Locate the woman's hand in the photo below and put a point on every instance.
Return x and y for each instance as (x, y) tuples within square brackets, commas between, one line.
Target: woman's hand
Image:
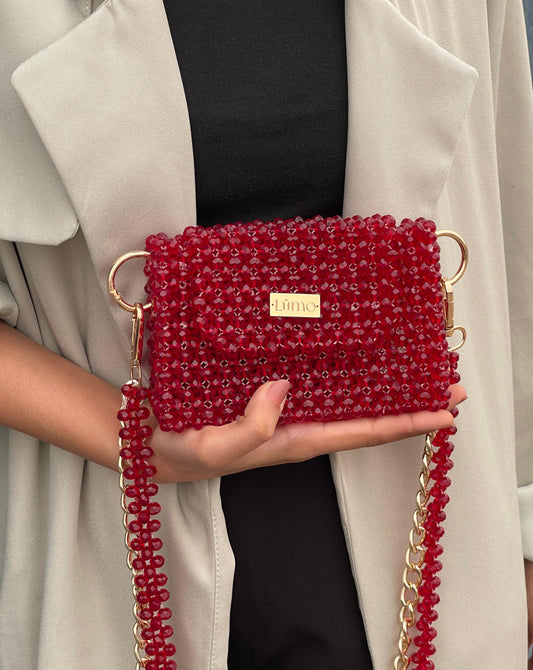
[(255, 440)]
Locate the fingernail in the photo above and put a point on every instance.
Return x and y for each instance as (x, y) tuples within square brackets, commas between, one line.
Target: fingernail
[(278, 392)]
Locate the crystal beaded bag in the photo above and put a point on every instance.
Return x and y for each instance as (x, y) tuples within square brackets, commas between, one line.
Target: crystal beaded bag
[(353, 312)]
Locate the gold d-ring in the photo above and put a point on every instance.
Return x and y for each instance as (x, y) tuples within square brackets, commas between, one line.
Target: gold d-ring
[(116, 295), (464, 253)]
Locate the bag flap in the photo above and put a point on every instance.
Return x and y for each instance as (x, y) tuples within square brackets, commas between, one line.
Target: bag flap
[(266, 290)]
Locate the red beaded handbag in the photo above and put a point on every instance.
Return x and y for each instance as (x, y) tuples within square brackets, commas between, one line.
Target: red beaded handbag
[(353, 312)]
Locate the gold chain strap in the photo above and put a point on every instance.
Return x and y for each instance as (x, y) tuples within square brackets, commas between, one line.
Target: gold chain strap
[(414, 558), (415, 554), (138, 625), (135, 379)]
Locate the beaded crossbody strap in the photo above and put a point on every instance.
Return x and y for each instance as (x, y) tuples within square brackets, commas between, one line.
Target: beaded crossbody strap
[(420, 580), (152, 630)]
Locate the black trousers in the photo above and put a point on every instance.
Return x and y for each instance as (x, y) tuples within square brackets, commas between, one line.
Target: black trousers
[(294, 605)]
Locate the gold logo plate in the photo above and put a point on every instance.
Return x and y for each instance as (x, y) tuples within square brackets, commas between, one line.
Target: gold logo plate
[(303, 305)]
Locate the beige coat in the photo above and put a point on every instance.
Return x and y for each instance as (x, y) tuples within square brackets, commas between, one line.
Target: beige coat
[(96, 153)]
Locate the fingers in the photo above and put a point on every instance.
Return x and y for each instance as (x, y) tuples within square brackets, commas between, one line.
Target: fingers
[(457, 395), (387, 429), (218, 447), (370, 432), (298, 442), (254, 440)]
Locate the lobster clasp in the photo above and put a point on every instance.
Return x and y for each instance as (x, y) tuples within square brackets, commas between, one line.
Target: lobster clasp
[(449, 325), (137, 311), (137, 339), (447, 290)]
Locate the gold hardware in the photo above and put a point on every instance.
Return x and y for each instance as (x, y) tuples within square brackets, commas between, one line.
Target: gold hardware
[(461, 330), (137, 315), (137, 337), (138, 626), (448, 305), (464, 253), (302, 305), (116, 295), (447, 289), (414, 559)]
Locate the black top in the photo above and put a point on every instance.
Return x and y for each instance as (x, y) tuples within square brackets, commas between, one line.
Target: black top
[(267, 93), (266, 88)]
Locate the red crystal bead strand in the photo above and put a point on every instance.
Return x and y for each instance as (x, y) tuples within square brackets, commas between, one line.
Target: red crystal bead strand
[(438, 499), (154, 650)]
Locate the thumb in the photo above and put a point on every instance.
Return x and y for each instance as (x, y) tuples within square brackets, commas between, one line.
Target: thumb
[(264, 408), (269, 399), (259, 421)]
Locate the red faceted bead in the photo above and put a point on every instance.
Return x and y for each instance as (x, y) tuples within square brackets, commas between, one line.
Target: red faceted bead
[(151, 489), (166, 631), (132, 491), (128, 390), (134, 526), (126, 453), (145, 615), (147, 634), (425, 665), (140, 581), (428, 612)]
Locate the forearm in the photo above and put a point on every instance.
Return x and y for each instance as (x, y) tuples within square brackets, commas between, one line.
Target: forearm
[(47, 396)]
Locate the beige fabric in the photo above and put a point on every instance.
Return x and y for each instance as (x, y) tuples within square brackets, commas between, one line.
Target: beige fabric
[(106, 141), (43, 212), (525, 497)]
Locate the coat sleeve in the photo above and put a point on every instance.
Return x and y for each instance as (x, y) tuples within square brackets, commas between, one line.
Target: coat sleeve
[(514, 127)]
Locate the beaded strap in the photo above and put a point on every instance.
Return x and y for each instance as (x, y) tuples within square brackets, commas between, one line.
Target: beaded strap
[(420, 579), (152, 632)]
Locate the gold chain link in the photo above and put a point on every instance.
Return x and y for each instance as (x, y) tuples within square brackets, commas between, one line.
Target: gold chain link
[(414, 558)]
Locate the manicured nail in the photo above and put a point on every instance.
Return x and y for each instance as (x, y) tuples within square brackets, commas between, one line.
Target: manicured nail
[(278, 392)]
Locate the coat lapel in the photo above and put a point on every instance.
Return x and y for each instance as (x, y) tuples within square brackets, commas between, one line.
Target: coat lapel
[(408, 99), (108, 103), (34, 206)]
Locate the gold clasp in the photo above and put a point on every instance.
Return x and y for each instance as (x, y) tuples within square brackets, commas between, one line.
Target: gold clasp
[(448, 305), (447, 289), (116, 295), (137, 340), (137, 315)]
